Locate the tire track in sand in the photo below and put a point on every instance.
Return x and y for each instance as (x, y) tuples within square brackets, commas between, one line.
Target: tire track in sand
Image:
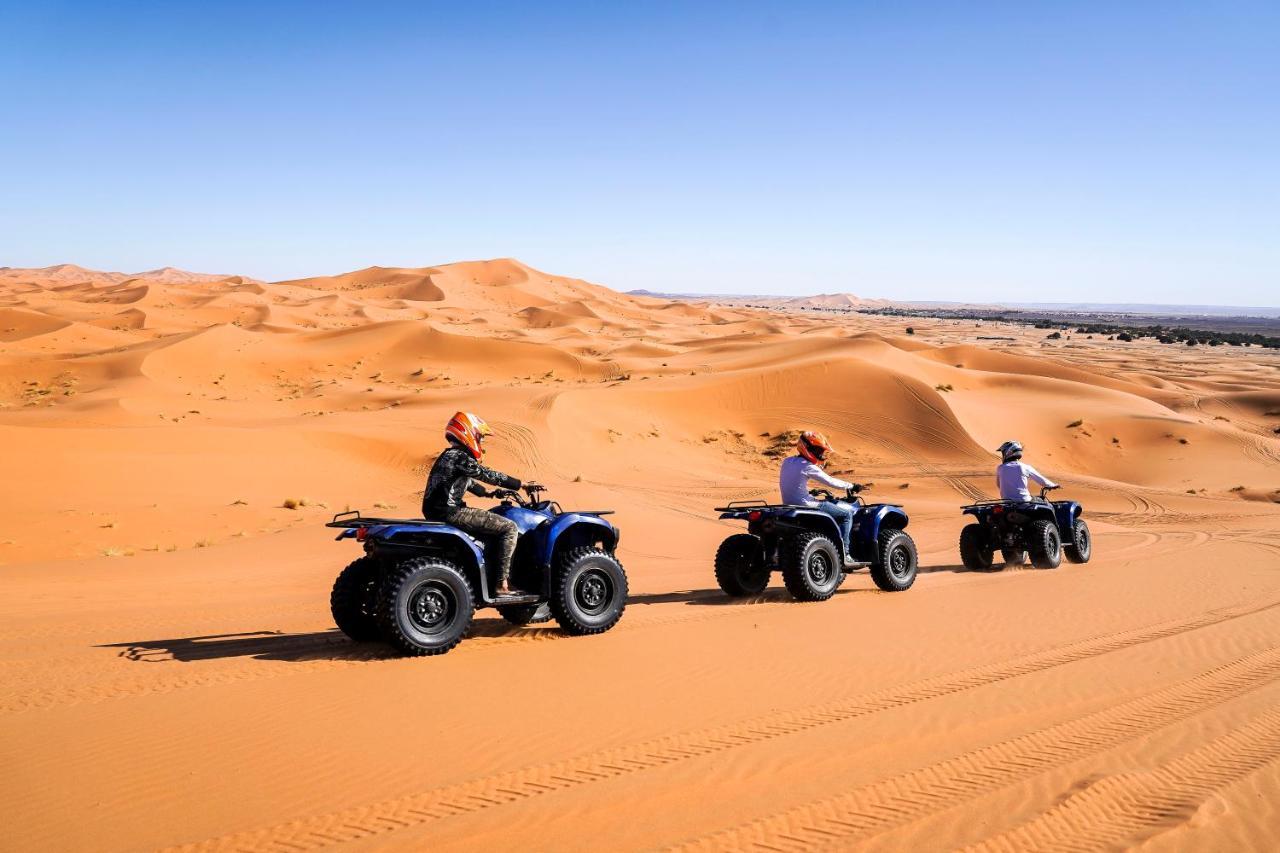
[(529, 782), (1125, 810), (873, 809)]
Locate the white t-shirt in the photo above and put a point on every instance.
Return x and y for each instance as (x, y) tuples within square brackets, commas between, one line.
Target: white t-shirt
[(793, 480), (1012, 478)]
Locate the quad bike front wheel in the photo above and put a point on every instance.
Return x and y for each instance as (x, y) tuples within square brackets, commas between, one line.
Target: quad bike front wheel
[(1045, 544), (1080, 548), (589, 592), (425, 606), (975, 553), (895, 567), (811, 567), (354, 600), (740, 568)]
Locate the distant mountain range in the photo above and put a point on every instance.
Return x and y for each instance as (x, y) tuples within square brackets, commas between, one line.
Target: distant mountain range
[(849, 300)]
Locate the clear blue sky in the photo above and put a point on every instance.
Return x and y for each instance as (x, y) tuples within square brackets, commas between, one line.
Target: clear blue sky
[(1061, 151)]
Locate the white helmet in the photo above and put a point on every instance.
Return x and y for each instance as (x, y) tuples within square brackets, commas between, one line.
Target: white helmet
[(1010, 451)]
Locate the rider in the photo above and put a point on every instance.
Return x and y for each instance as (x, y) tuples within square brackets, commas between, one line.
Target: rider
[(811, 455), (1012, 474), (453, 473)]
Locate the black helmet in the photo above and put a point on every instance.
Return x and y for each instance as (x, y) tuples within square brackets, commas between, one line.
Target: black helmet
[(1010, 451)]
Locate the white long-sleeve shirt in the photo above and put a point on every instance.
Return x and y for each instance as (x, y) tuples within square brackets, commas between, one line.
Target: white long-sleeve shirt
[(793, 480), (1011, 478)]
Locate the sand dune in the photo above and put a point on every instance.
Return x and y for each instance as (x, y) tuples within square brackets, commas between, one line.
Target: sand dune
[(172, 677)]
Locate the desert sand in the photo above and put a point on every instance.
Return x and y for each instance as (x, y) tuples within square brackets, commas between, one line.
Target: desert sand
[(172, 678)]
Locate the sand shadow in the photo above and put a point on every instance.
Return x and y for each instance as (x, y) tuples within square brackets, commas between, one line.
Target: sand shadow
[(717, 597), (261, 645), (960, 568), (334, 645)]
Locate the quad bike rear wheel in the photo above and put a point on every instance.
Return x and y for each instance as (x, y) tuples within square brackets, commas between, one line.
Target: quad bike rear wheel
[(975, 553), (740, 569), (811, 567), (1045, 544), (589, 592), (895, 566), (354, 600), (525, 614), (425, 606), (1080, 548)]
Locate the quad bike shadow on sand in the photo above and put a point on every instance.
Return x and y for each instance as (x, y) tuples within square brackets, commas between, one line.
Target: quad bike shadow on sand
[(332, 644)]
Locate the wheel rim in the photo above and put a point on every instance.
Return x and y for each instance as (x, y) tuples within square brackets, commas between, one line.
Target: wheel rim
[(819, 568), (1084, 544), (747, 572), (432, 607), (899, 563), (593, 591)]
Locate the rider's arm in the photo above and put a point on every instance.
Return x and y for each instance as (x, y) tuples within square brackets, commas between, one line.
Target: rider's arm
[(478, 490), (813, 472), (476, 471), (1033, 474)]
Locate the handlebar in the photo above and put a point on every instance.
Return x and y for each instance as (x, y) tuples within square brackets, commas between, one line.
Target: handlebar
[(532, 489), (851, 494), (1044, 490)]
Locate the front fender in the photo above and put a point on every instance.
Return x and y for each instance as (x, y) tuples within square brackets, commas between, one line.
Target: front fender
[(1065, 515), (599, 528), (868, 523)]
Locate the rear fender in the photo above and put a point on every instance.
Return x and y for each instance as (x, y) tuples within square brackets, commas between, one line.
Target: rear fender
[(815, 521)]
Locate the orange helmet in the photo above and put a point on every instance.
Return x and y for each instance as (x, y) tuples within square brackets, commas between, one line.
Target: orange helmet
[(813, 446), (468, 430)]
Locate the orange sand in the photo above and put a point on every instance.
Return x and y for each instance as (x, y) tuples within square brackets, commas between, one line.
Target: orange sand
[(171, 676)]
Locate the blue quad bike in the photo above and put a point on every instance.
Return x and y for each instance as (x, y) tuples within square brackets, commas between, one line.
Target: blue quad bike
[(805, 545), (419, 583), (1045, 529)]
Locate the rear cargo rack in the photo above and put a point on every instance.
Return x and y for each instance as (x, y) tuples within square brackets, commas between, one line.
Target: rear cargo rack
[(353, 518), (740, 505)]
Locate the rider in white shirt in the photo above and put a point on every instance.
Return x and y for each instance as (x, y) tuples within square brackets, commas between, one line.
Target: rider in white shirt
[(797, 471), (1012, 474)]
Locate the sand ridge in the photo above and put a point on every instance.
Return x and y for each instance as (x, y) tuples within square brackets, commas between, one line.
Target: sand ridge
[(173, 679)]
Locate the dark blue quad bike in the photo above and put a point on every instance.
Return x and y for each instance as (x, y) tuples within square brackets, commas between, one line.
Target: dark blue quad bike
[(805, 545), (419, 583), (1045, 529)]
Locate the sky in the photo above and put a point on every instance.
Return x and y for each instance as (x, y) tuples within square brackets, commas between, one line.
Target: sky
[(1069, 151)]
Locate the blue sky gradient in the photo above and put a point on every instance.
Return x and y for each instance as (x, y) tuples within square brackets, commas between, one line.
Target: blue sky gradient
[(1119, 152)]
